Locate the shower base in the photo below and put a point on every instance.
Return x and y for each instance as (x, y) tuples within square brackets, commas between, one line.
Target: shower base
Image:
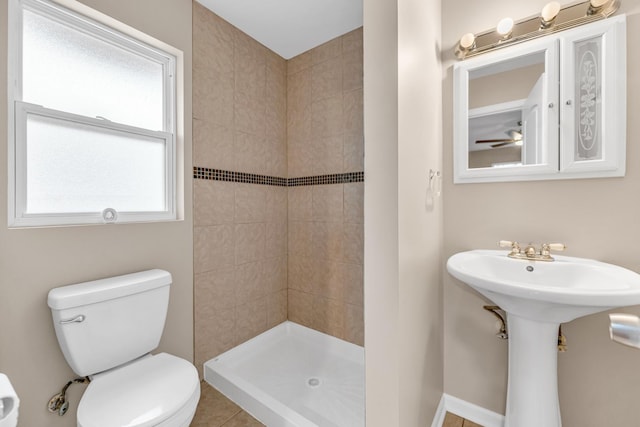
[(293, 376)]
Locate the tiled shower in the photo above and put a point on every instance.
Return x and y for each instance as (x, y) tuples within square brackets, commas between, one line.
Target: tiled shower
[(278, 188)]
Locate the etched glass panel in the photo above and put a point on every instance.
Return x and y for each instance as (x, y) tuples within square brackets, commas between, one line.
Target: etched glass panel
[(588, 95)]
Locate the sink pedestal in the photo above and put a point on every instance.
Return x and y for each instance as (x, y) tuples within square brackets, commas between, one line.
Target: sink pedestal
[(532, 392)]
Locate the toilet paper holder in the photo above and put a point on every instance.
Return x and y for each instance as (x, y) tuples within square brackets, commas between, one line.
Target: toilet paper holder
[(625, 329)]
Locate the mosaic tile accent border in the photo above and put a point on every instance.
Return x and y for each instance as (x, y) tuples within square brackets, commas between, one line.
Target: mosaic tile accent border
[(250, 178), (229, 176)]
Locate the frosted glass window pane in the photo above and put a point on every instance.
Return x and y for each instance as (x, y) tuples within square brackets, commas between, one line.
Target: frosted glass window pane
[(73, 168), (67, 70)]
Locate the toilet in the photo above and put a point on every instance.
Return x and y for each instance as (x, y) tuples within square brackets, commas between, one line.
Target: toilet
[(106, 330)]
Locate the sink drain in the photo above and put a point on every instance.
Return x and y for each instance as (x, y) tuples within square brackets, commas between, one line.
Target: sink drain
[(313, 382)]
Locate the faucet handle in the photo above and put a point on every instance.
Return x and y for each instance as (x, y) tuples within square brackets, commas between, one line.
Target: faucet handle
[(546, 248), (557, 246), (515, 246), (554, 246)]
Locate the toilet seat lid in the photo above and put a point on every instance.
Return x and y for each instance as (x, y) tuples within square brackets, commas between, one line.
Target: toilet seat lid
[(141, 394)]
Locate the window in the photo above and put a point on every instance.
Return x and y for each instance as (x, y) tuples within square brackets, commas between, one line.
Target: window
[(93, 122)]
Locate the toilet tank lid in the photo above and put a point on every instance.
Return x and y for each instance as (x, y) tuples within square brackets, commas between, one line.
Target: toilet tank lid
[(105, 289)]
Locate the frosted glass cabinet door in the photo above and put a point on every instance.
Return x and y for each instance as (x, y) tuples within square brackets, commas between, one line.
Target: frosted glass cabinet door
[(593, 100)]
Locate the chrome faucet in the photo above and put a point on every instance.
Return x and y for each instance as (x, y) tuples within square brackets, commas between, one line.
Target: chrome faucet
[(530, 252)]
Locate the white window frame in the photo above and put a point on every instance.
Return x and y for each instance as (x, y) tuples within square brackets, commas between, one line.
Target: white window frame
[(19, 110)]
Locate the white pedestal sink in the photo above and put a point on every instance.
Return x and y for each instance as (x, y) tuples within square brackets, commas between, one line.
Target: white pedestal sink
[(538, 296)]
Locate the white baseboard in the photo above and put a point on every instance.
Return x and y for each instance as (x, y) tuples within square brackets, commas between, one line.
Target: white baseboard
[(466, 410)]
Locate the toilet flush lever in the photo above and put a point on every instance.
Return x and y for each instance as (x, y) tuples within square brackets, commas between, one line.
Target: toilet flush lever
[(77, 319)]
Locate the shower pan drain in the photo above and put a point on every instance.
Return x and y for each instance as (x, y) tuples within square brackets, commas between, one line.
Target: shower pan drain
[(313, 382)]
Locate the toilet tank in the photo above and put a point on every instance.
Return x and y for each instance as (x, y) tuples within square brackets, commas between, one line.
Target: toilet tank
[(108, 322)]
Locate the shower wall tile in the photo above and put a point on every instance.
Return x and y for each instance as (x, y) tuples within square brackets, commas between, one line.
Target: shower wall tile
[(354, 243), (250, 203), (327, 116), (213, 247), (276, 308), (328, 316), (276, 239), (300, 203), (325, 136), (327, 241), (275, 274), (213, 145), (265, 253), (213, 202), (352, 74), (300, 271), (276, 204), (353, 111), (354, 284), (354, 324), (354, 202), (353, 156), (250, 242), (328, 154), (326, 51), (251, 319), (328, 279), (249, 113), (215, 99), (249, 282), (326, 79), (300, 238), (327, 202), (249, 153), (352, 41), (215, 335), (215, 291), (300, 307), (240, 229)]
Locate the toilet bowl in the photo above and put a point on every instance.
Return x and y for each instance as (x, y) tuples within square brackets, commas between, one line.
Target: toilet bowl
[(106, 330)]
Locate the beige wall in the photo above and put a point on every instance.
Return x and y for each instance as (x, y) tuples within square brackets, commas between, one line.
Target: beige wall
[(403, 315), (32, 261), (325, 136), (596, 218), (240, 229)]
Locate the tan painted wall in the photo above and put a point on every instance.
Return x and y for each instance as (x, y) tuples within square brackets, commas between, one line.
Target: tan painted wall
[(485, 158), (596, 218), (32, 261), (403, 317), (420, 227)]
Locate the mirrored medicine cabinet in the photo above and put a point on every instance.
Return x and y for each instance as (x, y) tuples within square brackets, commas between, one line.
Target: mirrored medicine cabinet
[(549, 108)]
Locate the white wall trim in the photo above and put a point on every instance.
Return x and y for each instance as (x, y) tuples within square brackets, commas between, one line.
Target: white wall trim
[(466, 410)]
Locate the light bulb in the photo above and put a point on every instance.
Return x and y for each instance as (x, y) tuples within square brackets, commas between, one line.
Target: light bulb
[(549, 13), (595, 6), (505, 27), (467, 41)]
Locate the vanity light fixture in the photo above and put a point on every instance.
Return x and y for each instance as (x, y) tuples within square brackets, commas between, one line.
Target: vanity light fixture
[(505, 27), (548, 14), (553, 18)]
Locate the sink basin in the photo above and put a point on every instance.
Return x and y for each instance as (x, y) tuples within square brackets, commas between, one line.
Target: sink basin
[(557, 291), (537, 296)]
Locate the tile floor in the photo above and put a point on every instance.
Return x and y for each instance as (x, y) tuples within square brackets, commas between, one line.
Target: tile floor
[(451, 420), (215, 410)]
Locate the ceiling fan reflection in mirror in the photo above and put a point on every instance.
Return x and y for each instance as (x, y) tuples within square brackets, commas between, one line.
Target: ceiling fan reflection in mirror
[(515, 137)]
